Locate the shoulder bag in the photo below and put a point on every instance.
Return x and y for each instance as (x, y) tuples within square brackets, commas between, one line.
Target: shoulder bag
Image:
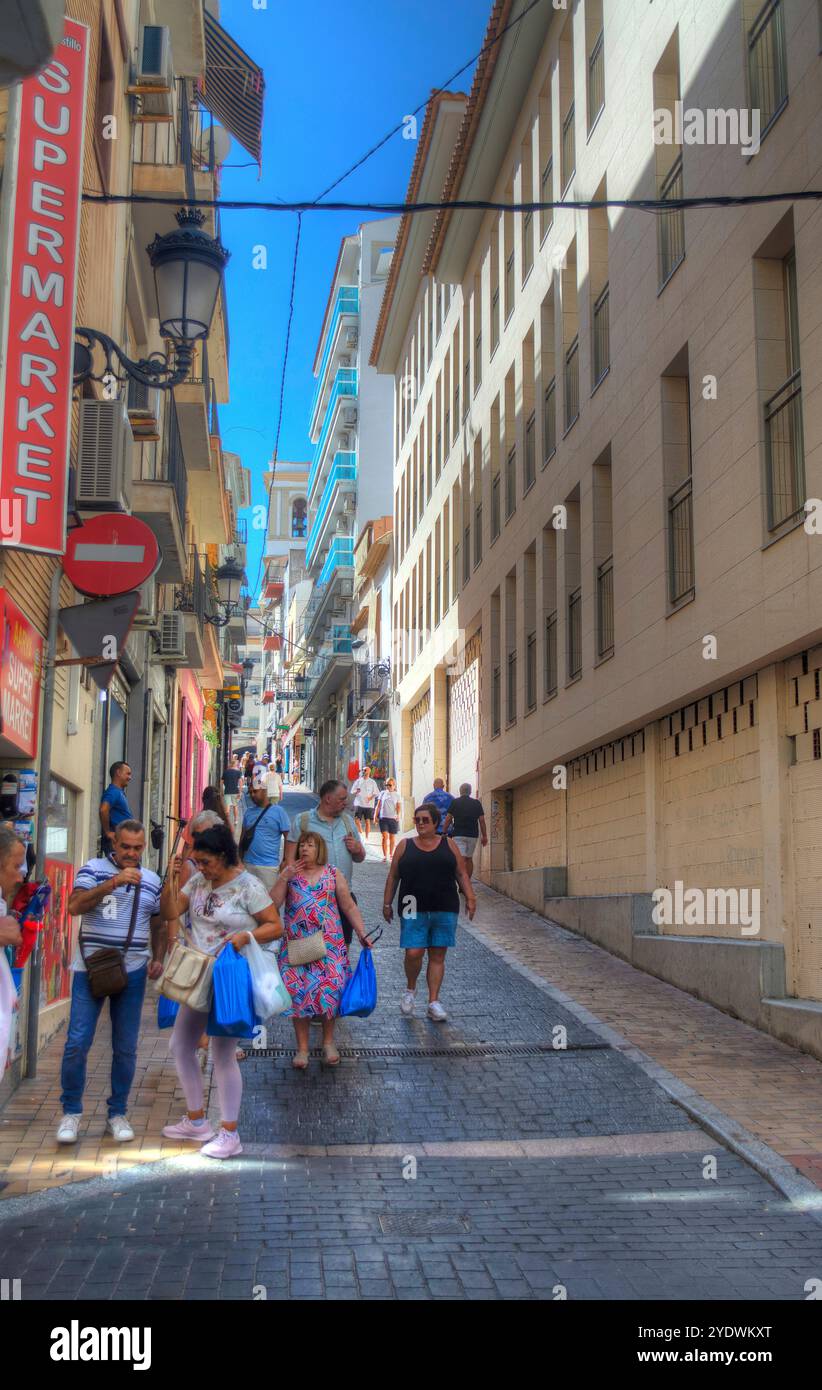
[(248, 834), (106, 967), (187, 977)]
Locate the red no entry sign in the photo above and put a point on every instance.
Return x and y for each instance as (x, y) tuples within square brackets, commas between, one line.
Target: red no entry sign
[(111, 555)]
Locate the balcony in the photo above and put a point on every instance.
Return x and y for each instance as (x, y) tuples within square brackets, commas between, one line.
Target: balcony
[(671, 225), (333, 590), (338, 495), (327, 672), (196, 596), (785, 452), (344, 318), (340, 557), (343, 396), (159, 495)]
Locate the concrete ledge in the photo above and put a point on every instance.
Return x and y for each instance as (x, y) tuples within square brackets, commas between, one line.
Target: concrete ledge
[(795, 1021), (611, 921), (530, 886), (734, 976)]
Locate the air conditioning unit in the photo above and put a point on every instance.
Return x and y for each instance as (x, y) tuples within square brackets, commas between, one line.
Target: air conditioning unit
[(345, 440), (345, 360), (104, 457), (345, 588), (172, 639), (143, 410), (146, 615), (352, 337), (154, 78), (349, 505), (350, 415)]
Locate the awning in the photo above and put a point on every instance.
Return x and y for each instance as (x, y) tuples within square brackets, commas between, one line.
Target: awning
[(233, 88)]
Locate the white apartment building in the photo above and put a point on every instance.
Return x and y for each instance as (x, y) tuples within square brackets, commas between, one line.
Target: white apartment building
[(608, 423), (350, 481)]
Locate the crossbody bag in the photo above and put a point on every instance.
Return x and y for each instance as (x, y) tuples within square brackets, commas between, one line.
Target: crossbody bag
[(106, 967), (248, 834)]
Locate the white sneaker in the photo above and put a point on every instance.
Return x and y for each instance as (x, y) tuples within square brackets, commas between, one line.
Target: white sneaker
[(67, 1129), (407, 1004), (436, 1011), (120, 1128)]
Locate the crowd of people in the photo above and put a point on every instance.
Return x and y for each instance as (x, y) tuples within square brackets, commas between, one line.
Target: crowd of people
[(242, 868)]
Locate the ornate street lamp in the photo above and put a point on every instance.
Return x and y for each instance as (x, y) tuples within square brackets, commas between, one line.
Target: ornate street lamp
[(188, 268), (230, 578)]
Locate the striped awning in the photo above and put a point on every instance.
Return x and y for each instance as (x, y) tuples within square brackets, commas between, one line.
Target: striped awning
[(233, 88)]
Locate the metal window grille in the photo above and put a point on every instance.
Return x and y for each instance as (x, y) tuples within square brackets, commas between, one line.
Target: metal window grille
[(527, 244), (477, 362), (531, 670), (571, 384), (511, 484), (478, 534), (550, 670), (569, 155), (605, 607), (596, 80), (495, 319), (546, 189), (511, 687), (530, 471), (549, 421), (575, 633), (495, 509), (671, 225), (784, 452), (681, 542), (767, 66), (495, 701), (509, 286), (602, 339), (466, 554)]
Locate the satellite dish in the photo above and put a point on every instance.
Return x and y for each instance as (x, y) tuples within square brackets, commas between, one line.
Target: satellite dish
[(221, 146)]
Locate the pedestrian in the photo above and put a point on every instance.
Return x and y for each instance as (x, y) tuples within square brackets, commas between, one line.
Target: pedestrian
[(279, 766), (231, 779), (264, 824), (365, 792), (213, 801), (274, 784), (387, 811), (12, 868), (315, 894), (427, 866), (440, 798), (331, 820), (119, 902), (227, 906), (114, 807), (465, 823)]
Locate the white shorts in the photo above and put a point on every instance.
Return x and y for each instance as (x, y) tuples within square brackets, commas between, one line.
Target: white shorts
[(466, 844), (266, 873)]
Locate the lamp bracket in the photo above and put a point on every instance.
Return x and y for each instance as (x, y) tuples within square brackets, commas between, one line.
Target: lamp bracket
[(157, 370)]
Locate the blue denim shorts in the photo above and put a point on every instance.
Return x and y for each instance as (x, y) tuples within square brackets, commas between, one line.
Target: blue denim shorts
[(428, 929)]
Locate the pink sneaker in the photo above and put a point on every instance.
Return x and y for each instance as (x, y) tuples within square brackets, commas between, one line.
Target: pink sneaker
[(226, 1145), (186, 1129)]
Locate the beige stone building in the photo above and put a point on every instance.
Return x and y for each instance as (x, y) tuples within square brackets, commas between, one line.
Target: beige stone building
[(607, 590)]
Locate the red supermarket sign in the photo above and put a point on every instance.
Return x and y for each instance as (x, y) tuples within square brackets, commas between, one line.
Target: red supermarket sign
[(39, 332), (20, 668)]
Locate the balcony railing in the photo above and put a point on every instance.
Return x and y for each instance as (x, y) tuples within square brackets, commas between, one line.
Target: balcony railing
[(785, 452), (340, 556), (596, 81), (546, 195), (241, 530), (601, 335), (347, 302), (346, 384), (511, 687), (495, 507), (161, 460), (495, 701), (550, 677), (530, 460), (549, 421), (344, 468), (198, 592), (767, 68), (164, 142), (671, 225), (574, 633), (681, 542), (531, 671), (605, 607), (572, 384), (569, 154)]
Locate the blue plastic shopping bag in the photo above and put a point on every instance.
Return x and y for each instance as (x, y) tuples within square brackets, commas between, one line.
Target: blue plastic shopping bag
[(166, 1011), (232, 1001), (360, 994)]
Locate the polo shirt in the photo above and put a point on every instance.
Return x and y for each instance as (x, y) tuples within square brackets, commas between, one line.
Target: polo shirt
[(442, 800), (101, 928), (119, 807), (333, 832), (466, 811), (266, 847)]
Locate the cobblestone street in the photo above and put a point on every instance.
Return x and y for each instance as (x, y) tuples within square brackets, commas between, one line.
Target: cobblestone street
[(472, 1159)]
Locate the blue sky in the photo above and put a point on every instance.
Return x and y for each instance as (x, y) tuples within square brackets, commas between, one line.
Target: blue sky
[(338, 77)]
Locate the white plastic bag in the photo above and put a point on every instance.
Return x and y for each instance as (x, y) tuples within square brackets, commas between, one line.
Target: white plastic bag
[(270, 994)]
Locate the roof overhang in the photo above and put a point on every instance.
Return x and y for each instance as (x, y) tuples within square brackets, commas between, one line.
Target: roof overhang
[(494, 107), (437, 140)]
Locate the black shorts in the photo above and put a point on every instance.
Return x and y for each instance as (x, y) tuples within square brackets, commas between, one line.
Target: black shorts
[(363, 812), (389, 824)]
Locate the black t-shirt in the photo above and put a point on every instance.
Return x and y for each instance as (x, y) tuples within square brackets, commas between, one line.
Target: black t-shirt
[(231, 780), (466, 811)]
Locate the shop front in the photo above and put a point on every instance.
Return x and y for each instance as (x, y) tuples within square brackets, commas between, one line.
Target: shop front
[(193, 749)]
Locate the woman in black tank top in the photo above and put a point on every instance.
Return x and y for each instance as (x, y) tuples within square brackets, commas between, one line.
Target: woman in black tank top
[(428, 867)]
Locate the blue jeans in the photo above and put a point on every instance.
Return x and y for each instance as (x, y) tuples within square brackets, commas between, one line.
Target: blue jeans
[(125, 1010)]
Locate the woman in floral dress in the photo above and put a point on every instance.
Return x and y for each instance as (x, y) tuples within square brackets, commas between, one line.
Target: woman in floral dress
[(313, 892)]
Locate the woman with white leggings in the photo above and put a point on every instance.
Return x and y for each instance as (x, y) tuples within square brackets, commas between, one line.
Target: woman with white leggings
[(226, 906)]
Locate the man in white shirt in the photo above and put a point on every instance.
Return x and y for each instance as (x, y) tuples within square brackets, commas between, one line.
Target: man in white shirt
[(365, 792), (274, 784)]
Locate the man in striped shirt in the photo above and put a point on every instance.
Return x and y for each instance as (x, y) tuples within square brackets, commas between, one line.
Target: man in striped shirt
[(103, 896)]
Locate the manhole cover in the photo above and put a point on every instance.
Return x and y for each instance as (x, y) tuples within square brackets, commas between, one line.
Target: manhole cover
[(424, 1223)]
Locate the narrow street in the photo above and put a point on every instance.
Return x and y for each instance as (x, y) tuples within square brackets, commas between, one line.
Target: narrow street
[(471, 1159)]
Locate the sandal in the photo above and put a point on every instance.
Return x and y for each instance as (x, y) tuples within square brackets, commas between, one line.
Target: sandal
[(299, 1061), (240, 1054), (331, 1056)]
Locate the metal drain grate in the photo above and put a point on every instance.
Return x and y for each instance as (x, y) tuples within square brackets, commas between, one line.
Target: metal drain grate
[(424, 1223), (449, 1050)]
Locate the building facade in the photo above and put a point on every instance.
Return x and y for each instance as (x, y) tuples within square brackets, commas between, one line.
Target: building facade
[(349, 482), (608, 439)]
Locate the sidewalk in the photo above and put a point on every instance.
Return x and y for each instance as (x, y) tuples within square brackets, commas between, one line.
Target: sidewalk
[(771, 1089)]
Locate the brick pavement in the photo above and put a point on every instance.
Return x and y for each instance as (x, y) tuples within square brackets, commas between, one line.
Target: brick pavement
[(561, 1166)]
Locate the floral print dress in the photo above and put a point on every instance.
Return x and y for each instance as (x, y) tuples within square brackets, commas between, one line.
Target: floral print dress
[(315, 989)]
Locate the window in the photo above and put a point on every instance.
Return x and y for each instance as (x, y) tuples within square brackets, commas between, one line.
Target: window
[(569, 157), (495, 320), (784, 439), (767, 67), (511, 687), (596, 81), (549, 421), (530, 452), (527, 244), (495, 509), (477, 361), (495, 702), (550, 671), (671, 225), (466, 554), (546, 192), (299, 519), (531, 671), (574, 633), (605, 608), (509, 285), (602, 342), (466, 393), (511, 483), (572, 384), (681, 542), (478, 534)]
